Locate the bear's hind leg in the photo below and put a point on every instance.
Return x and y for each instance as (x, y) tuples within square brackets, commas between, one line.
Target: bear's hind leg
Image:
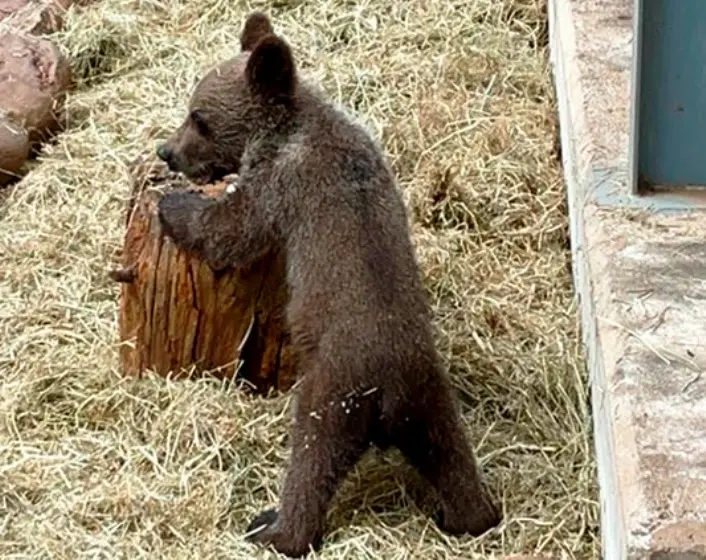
[(435, 444), (328, 438)]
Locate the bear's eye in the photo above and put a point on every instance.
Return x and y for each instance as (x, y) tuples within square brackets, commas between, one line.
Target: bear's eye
[(197, 118)]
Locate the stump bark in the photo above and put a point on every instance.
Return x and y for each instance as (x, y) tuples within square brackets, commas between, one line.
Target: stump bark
[(176, 314)]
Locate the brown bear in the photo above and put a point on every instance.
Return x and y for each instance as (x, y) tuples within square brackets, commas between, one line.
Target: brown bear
[(314, 183)]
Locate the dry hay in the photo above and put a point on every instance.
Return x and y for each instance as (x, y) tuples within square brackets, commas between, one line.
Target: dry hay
[(459, 93)]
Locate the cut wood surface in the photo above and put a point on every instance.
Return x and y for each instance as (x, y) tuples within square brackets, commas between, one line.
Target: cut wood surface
[(177, 314)]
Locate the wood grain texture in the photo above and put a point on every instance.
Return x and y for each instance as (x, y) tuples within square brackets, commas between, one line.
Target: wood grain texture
[(176, 313)]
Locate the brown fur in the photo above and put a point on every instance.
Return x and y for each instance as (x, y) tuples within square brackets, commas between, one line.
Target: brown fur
[(315, 184)]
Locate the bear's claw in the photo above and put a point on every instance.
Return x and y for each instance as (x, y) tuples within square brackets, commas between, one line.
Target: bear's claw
[(263, 521)]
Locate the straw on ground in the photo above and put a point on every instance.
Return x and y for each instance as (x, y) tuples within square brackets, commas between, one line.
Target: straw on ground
[(459, 94)]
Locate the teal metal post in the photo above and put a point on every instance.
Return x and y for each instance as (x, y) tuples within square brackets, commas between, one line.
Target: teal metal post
[(668, 109)]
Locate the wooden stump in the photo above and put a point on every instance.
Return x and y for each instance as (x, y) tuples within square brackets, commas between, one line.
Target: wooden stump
[(176, 312)]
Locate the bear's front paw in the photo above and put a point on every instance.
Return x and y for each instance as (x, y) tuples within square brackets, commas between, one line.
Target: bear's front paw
[(176, 211)]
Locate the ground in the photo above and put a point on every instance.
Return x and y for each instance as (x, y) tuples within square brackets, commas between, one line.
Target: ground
[(460, 96), (639, 264)]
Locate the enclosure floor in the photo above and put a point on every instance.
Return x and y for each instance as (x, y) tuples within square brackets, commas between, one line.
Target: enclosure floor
[(640, 276), (459, 94)]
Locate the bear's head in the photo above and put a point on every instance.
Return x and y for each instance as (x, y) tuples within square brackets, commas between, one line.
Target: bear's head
[(235, 101)]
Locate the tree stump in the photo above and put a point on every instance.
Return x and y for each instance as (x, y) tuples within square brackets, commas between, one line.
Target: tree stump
[(176, 314)]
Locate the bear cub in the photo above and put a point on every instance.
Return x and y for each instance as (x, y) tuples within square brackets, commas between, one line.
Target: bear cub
[(314, 184)]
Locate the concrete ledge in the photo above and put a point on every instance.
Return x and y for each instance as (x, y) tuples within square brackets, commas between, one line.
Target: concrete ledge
[(641, 280)]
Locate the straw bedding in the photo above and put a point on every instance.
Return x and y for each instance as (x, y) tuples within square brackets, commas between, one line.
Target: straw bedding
[(459, 94)]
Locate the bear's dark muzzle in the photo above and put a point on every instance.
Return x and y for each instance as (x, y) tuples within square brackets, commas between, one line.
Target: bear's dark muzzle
[(165, 154)]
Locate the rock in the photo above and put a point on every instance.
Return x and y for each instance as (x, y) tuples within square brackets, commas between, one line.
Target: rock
[(34, 16), (14, 150), (34, 77)]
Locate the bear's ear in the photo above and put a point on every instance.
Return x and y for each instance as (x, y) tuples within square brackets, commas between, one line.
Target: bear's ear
[(256, 27), (270, 70)]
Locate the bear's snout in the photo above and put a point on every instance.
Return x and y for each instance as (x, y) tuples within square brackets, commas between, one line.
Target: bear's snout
[(165, 154)]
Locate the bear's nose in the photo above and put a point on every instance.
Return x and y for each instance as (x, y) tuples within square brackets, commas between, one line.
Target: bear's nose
[(164, 153)]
